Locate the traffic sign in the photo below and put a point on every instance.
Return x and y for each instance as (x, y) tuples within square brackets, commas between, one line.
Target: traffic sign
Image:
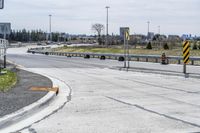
[(5, 28), (127, 35), (186, 52), (126, 48), (1, 4)]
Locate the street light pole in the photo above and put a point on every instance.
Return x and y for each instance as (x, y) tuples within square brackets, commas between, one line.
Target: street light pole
[(159, 29), (50, 27), (159, 37), (148, 30), (107, 7)]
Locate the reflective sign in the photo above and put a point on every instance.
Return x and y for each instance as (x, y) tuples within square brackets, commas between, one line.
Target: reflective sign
[(186, 52), (127, 35)]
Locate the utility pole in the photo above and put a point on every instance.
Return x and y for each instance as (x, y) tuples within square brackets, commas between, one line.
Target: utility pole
[(159, 29), (107, 7), (50, 34)]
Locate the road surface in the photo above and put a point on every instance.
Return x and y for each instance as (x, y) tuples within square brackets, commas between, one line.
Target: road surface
[(108, 100)]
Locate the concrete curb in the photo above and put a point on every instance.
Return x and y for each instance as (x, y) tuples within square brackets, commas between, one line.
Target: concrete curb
[(28, 110), (43, 108), (21, 114), (161, 72)]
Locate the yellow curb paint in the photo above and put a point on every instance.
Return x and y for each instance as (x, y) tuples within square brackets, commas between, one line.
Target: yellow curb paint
[(54, 89)]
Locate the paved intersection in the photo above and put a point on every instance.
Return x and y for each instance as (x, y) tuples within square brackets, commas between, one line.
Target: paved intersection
[(108, 100)]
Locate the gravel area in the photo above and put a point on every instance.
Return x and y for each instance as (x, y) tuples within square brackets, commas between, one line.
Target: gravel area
[(21, 95)]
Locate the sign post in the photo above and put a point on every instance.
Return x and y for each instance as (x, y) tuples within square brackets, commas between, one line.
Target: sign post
[(4, 32), (186, 55), (126, 49), (5, 29), (1, 4), (3, 47)]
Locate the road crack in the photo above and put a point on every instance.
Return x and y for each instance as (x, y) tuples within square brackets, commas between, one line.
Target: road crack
[(154, 112)]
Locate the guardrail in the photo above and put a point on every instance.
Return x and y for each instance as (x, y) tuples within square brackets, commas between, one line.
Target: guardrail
[(119, 57)]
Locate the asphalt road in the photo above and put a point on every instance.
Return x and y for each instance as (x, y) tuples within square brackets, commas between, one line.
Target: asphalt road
[(108, 100), (42, 61)]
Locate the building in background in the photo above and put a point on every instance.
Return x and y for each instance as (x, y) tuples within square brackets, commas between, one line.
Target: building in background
[(150, 35), (186, 37), (137, 39), (174, 38)]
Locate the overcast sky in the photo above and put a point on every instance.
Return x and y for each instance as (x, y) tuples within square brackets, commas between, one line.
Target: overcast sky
[(77, 16)]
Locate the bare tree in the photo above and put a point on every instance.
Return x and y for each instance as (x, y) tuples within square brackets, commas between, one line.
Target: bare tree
[(98, 28)]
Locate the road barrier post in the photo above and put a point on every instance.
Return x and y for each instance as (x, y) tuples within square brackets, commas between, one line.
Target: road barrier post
[(186, 55)]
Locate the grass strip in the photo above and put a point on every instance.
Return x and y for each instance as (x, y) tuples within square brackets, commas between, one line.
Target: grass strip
[(7, 80), (117, 50)]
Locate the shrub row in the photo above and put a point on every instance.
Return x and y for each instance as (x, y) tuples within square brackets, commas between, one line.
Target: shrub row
[(149, 46)]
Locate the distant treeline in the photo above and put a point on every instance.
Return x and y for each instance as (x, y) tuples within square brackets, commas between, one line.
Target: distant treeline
[(31, 36)]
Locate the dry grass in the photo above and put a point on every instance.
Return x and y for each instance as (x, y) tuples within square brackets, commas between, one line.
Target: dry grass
[(119, 49)]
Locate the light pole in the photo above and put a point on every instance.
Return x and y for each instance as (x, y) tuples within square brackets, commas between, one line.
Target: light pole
[(107, 7), (50, 35), (159, 37), (148, 30)]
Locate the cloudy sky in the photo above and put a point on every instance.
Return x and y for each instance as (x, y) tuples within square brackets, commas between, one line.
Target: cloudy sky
[(77, 16)]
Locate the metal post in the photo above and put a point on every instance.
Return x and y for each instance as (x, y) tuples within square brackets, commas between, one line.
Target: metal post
[(4, 64), (148, 30), (184, 68), (124, 51), (0, 56), (2, 6), (128, 53), (50, 35), (107, 7)]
